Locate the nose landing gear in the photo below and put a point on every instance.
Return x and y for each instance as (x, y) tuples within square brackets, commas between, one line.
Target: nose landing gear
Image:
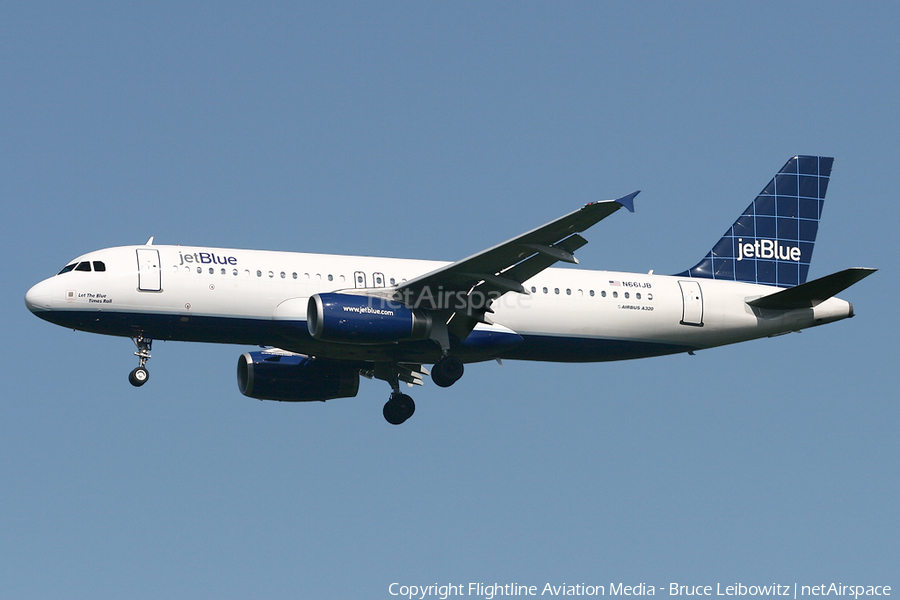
[(140, 375)]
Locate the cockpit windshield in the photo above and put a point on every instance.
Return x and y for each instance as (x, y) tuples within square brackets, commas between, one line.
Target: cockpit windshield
[(99, 267)]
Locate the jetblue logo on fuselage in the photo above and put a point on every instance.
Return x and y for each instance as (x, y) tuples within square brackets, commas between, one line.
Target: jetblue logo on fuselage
[(767, 249), (207, 258)]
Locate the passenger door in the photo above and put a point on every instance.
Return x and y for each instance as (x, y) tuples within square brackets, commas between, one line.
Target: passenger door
[(692, 298), (149, 277)]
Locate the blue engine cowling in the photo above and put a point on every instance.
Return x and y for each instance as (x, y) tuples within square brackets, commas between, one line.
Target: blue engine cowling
[(294, 378), (350, 319)]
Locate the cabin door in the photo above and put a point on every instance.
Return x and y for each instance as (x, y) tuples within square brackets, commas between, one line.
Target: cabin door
[(149, 279), (692, 298)]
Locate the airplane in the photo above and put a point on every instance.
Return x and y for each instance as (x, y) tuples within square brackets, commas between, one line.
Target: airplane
[(323, 321)]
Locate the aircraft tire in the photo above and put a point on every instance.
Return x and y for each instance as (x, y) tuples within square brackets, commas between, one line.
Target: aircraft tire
[(139, 376), (398, 409), (447, 371)]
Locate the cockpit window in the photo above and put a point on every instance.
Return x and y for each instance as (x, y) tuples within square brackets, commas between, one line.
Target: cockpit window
[(84, 266)]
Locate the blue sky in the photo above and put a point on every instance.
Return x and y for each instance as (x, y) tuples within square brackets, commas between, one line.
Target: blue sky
[(434, 131)]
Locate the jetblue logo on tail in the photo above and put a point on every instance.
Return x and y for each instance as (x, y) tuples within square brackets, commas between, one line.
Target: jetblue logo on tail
[(767, 249), (772, 241)]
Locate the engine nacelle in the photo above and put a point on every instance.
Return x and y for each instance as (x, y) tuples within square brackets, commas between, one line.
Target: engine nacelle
[(294, 378), (351, 319)]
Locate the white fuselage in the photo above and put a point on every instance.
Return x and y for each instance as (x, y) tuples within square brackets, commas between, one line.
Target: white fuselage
[(260, 297)]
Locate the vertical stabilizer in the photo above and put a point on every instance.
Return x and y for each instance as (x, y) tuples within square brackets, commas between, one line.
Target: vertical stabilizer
[(772, 242)]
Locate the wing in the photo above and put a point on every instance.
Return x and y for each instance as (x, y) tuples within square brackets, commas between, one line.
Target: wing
[(463, 291)]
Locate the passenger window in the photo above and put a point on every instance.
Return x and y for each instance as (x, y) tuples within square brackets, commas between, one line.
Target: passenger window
[(99, 266), (545, 290), (603, 293), (568, 292), (83, 266), (592, 293)]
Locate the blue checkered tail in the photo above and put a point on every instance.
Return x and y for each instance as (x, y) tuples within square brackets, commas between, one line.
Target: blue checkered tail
[(772, 242)]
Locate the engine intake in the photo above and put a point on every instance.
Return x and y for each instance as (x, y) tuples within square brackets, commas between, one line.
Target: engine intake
[(350, 319), (294, 378)]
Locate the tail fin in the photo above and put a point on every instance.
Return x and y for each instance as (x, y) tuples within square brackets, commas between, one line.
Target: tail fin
[(772, 242)]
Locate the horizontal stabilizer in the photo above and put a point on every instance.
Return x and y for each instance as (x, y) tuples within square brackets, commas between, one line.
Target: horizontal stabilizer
[(812, 293)]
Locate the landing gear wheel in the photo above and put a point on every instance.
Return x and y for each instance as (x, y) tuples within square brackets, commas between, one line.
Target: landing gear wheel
[(398, 409), (447, 371), (139, 376)]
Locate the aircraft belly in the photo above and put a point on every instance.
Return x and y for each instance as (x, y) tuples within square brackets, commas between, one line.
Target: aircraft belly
[(582, 349)]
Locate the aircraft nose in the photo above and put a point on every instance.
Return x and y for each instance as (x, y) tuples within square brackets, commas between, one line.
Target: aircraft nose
[(38, 297)]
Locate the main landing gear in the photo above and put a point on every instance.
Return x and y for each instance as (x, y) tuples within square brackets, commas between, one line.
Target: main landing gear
[(399, 408), (447, 371), (140, 375)]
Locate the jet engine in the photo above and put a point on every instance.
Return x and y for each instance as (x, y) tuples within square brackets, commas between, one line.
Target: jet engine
[(294, 377), (350, 319)]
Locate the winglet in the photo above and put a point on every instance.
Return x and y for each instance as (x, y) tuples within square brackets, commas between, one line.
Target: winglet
[(628, 201)]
